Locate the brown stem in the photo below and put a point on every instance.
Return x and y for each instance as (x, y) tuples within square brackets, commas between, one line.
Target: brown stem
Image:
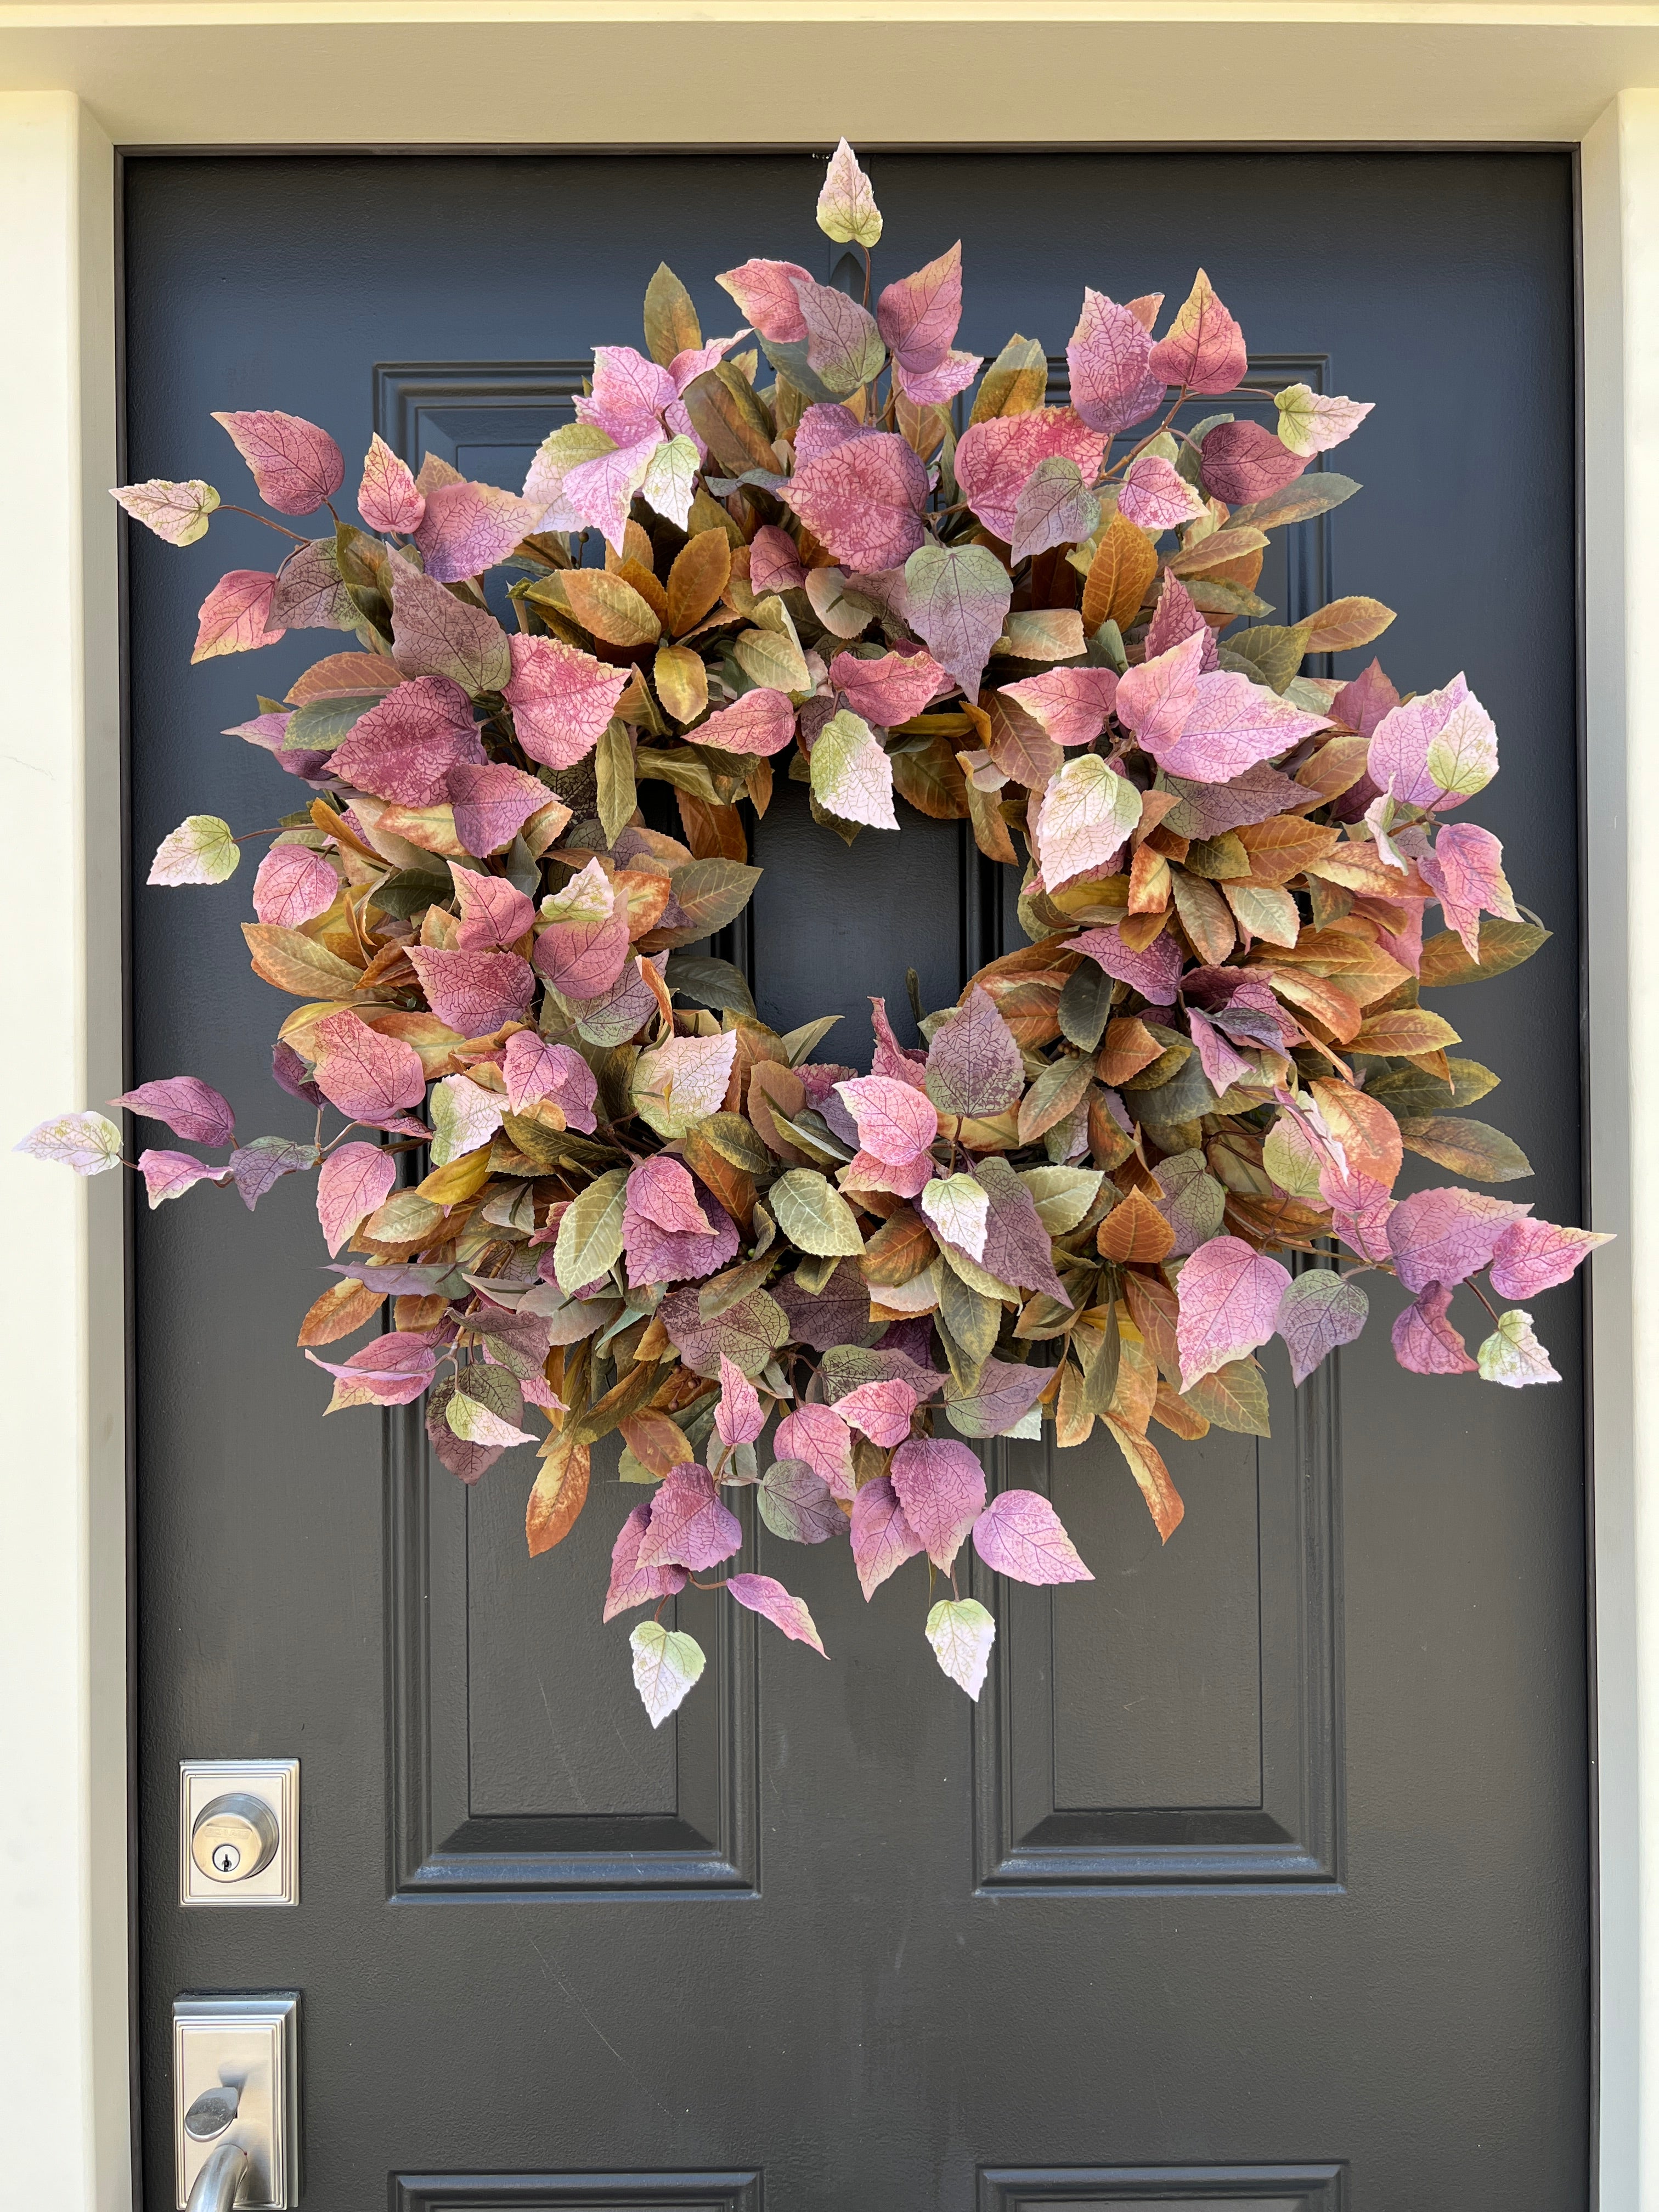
[(227, 506)]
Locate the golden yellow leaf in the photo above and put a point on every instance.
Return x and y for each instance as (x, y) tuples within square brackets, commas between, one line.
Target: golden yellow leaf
[(1119, 576)]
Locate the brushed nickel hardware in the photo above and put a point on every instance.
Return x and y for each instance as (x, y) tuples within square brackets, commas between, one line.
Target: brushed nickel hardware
[(238, 1831), (236, 2102)]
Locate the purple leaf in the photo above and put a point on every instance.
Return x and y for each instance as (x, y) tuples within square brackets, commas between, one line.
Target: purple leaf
[(763, 1595), (255, 1166), (366, 1075), (492, 804), (1175, 618), (1320, 1310), (761, 721), (796, 1504), (475, 992), (1154, 971), (775, 561), (438, 635), (535, 1070), (1425, 1340), (1465, 870), (191, 1108), (169, 1175), (1360, 706), (738, 1416), (1019, 1535), (631, 1584), (354, 1182), (1446, 1235), (562, 699), (294, 885), (1070, 704), (1241, 462), (818, 1436), (864, 499), (1531, 1256), (290, 1070), (974, 1065), (689, 1527), (1230, 1300), (883, 1540), (392, 1371), (838, 1314), (494, 912), (1007, 1393), (404, 748), (1204, 348), (995, 458), (940, 1485), (1018, 1247), (1155, 498), (1109, 357), (1205, 810), (918, 316), (296, 465)]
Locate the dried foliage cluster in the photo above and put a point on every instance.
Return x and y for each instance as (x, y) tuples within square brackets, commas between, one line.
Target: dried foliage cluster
[(569, 1162)]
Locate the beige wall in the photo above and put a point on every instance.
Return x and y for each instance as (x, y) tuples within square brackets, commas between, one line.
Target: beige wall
[(76, 79)]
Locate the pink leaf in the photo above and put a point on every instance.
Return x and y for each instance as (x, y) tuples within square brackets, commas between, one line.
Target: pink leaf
[(1241, 462), (864, 499), (1222, 1066), (296, 465), (822, 428), (1425, 1340), (1231, 725), (191, 1108), (170, 1174), (818, 1435), (438, 635), (492, 804), (387, 499), (761, 721), (1155, 699), (475, 992), (896, 1121), (689, 1527), (738, 1416), (891, 1058), (937, 386), (1085, 819), (255, 1167), (494, 912), (392, 1371), (535, 1070), (892, 690), (763, 1595), (956, 597), (1453, 718), (562, 699), (656, 1254), (601, 491), (775, 561), (1019, 1535), (584, 955), (1446, 1235), (353, 1182), (1360, 706), (1230, 1300), (1204, 347), (294, 885), (1156, 496), (995, 458), (843, 346), (1535, 1255), (918, 315), (941, 1487), (1109, 357), (1017, 1249), (1071, 704), (1175, 618), (469, 527), (881, 1410), (765, 294), (974, 1063), (883, 1540), (404, 748), (632, 1585), (177, 513), (310, 592), (1320, 1310), (366, 1075), (663, 1191), (1465, 870), (1361, 1209), (233, 616), (1153, 972), (629, 394)]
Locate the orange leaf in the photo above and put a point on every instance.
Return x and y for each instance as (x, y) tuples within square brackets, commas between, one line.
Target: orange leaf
[(655, 1441), (1149, 882), (1154, 1309), (1128, 1047), (1336, 767), (1146, 1465), (342, 1307), (1282, 847), (714, 833), (1363, 1125), (702, 569), (1123, 567), (1173, 1413), (1134, 1231), (609, 609), (900, 1249), (1407, 1029), (558, 1496)]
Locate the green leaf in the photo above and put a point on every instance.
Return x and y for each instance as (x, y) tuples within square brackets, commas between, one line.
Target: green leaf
[(201, 850), (1062, 1195), (321, 724), (410, 892), (667, 1662), (962, 1633), (589, 1239), (798, 1043), (1270, 652), (1311, 495), (670, 321), (1085, 1006), (614, 762), (712, 893), (1512, 1355), (1100, 1368), (972, 1319), (714, 983), (486, 1406), (1234, 1397), (1504, 945), (684, 770), (1473, 1149), (813, 1215), (736, 1140)]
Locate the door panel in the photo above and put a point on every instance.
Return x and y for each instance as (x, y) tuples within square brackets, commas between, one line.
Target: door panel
[(1259, 1874)]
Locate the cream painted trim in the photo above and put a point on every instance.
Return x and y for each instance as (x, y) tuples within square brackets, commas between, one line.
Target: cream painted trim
[(64, 2079), (318, 72)]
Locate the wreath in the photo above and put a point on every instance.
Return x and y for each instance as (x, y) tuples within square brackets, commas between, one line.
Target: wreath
[(633, 1206)]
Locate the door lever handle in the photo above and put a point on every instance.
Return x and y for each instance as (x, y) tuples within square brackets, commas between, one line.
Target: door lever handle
[(215, 2188)]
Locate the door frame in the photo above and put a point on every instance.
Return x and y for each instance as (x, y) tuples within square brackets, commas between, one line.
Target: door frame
[(250, 74)]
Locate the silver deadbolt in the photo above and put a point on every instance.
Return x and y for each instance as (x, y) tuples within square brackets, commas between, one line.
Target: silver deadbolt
[(234, 1837)]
